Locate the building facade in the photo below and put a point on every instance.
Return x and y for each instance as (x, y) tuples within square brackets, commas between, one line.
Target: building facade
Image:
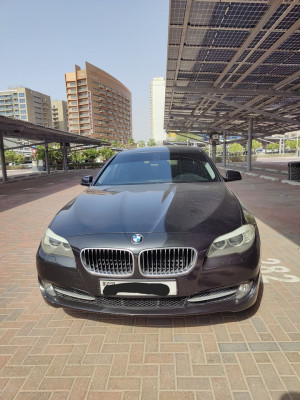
[(98, 104), (26, 104), (60, 115), (158, 89)]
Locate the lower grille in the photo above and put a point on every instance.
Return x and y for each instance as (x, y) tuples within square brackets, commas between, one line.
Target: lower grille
[(107, 262), (167, 302), (167, 261), (143, 303)]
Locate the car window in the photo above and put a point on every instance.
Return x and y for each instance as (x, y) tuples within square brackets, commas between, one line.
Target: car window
[(157, 167)]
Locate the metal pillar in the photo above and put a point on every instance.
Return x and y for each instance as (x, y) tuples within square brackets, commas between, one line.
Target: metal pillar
[(4, 173), (249, 152), (65, 160), (224, 150), (47, 158), (213, 150)]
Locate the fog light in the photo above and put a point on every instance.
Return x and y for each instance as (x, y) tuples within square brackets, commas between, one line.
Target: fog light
[(49, 288), (243, 290)]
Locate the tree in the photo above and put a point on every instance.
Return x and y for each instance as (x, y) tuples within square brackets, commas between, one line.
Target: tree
[(273, 146), (131, 143), (255, 145), (292, 144), (141, 143), (235, 148), (106, 153), (20, 159), (90, 155), (151, 142), (13, 157), (77, 156), (10, 156)]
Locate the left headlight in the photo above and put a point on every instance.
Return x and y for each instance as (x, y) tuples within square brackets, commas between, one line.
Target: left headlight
[(56, 245), (236, 241)]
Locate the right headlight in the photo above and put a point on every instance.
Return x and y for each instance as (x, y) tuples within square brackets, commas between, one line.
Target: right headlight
[(236, 241), (56, 245)]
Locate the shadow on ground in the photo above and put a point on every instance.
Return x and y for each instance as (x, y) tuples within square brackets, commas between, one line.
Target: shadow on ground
[(19, 192)]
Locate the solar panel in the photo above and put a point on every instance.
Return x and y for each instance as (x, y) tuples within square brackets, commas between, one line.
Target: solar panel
[(234, 45)]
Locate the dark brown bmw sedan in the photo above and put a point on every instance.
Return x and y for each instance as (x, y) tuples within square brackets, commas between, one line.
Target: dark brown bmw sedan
[(157, 232)]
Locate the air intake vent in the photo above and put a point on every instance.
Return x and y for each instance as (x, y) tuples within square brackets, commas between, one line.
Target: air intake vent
[(107, 262), (167, 262)]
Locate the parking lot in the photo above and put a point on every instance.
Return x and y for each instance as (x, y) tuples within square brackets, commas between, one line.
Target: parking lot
[(48, 353)]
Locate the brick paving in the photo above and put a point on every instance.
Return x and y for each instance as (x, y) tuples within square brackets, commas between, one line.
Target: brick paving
[(48, 353)]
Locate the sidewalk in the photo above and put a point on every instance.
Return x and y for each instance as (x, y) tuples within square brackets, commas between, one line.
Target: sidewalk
[(52, 354)]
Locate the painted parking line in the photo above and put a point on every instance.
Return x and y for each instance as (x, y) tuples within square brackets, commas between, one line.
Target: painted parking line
[(28, 189), (272, 269)]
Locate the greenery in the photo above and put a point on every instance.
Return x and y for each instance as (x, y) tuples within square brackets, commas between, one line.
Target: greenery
[(151, 142), (292, 144), (255, 145), (141, 143), (235, 148), (131, 143), (272, 146), (14, 158)]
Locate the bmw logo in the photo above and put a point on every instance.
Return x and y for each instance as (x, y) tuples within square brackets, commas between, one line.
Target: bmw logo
[(136, 239)]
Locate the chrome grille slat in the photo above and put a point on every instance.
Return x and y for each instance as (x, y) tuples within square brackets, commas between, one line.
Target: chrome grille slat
[(171, 261), (108, 262)]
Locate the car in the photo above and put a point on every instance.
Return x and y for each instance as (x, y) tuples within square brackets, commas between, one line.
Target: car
[(157, 232)]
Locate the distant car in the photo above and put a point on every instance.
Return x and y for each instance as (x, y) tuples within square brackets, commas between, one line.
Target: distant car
[(157, 232)]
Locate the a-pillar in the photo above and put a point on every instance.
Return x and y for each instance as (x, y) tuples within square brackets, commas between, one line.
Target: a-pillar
[(2, 154), (224, 150), (249, 151), (47, 158)]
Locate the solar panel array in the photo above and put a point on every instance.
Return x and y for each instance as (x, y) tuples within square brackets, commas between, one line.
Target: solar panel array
[(232, 60)]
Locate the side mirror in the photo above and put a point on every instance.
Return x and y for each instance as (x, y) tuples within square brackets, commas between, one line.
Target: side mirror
[(86, 180), (233, 176)]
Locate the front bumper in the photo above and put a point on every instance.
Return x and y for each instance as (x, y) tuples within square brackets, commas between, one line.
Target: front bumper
[(170, 306)]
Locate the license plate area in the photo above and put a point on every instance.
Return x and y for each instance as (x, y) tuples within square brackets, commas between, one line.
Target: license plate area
[(138, 288)]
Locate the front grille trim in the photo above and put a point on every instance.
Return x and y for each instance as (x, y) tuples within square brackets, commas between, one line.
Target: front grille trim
[(108, 270), (181, 269)]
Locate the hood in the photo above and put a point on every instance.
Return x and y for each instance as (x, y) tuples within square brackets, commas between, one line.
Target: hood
[(158, 208)]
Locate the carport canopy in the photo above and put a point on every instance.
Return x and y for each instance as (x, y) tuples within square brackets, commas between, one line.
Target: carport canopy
[(40, 135), (233, 67)]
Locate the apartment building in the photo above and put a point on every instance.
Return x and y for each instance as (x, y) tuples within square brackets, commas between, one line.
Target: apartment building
[(158, 89), (99, 106), (60, 115), (26, 104)]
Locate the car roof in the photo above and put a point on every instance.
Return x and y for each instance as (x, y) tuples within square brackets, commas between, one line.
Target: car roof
[(166, 149)]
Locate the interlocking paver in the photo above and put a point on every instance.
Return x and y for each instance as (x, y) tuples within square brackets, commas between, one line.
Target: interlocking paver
[(47, 353)]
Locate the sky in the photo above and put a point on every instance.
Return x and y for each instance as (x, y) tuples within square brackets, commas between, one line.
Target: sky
[(41, 40)]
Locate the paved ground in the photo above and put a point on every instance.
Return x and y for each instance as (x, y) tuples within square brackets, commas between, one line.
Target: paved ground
[(275, 163), (48, 353)]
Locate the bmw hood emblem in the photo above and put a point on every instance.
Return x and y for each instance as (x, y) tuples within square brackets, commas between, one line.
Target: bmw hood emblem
[(136, 239)]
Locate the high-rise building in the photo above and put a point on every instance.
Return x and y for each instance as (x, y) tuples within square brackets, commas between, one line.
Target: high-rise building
[(60, 115), (158, 89), (26, 104), (98, 104)]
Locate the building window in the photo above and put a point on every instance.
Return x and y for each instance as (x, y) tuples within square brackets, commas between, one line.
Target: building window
[(23, 117), (22, 106), (22, 100), (21, 95), (23, 111)]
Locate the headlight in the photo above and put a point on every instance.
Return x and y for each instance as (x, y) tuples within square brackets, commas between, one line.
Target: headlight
[(56, 245), (234, 242)]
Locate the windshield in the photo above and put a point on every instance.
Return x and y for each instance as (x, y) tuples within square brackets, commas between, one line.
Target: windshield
[(157, 167)]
